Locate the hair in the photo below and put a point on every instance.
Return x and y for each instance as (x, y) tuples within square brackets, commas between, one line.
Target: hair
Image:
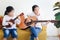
[(34, 6), (8, 9)]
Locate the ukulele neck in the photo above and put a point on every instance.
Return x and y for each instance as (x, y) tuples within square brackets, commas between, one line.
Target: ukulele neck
[(18, 16), (15, 18)]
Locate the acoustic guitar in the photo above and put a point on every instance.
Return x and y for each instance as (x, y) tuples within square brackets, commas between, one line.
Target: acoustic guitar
[(22, 25)]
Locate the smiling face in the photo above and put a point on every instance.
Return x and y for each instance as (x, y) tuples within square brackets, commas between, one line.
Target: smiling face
[(36, 10)]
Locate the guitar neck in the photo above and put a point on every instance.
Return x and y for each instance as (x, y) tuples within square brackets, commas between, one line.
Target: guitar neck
[(47, 21)]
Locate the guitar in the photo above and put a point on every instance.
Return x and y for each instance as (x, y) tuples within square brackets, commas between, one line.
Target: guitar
[(53, 21), (22, 25), (33, 21), (12, 20)]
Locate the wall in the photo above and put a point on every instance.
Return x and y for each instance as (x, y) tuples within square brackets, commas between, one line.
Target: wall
[(46, 10)]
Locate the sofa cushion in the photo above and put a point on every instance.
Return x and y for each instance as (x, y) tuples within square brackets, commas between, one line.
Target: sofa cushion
[(1, 18), (25, 34)]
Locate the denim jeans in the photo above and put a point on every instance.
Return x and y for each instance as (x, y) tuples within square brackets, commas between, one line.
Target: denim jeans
[(34, 32), (7, 32)]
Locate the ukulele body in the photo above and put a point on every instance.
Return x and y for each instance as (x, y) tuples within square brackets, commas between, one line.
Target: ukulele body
[(12, 21)]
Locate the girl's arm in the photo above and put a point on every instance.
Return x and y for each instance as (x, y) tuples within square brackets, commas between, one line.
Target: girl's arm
[(17, 21), (4, 21)]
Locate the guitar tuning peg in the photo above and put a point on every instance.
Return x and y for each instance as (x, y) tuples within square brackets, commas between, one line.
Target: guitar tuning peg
[(22, 13)]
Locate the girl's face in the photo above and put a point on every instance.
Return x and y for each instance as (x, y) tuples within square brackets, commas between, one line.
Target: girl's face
[(11, 13), (36, 11)]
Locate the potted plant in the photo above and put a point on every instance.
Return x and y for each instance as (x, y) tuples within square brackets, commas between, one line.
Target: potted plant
[(57, 17)]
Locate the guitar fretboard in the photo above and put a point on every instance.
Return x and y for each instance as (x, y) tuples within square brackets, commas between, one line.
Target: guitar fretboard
[(47, 21)]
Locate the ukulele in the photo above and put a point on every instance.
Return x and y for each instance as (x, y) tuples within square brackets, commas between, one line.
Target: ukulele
[(12, 20)]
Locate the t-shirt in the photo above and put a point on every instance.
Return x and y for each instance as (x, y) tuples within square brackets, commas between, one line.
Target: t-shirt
[(38, 17), (7, 18)]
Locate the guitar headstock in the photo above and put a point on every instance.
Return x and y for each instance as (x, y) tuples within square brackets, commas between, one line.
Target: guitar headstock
[(21, 14)]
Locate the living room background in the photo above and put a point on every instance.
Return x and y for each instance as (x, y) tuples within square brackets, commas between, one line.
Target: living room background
[(46, 10)]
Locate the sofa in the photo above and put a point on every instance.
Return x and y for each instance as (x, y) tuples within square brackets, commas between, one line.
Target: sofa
[(25, 34)]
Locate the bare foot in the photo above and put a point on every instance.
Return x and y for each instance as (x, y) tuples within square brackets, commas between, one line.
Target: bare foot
[(14, 39), (37, 38), (4, 38)]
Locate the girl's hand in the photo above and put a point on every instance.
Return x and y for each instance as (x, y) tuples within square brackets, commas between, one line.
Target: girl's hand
[(47, 22), (19, 17), (10, 23), (28, 20)]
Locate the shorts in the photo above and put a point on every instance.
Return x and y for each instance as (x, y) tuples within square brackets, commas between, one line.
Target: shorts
[(7, 33)]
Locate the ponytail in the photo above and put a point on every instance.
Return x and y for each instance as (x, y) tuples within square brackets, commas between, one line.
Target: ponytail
[(5, 13)]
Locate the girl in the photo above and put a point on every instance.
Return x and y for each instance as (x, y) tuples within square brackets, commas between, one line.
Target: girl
[(9, 14)]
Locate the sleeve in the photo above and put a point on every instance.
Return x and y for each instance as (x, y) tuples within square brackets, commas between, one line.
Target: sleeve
[(4, 21), (17, 21), (29, 14), (25, 16)]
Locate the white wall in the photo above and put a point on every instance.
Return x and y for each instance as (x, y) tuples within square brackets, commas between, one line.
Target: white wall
[(46, 10)]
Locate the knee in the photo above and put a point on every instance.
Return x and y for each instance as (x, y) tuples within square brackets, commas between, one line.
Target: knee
[(36, 35), (14, 34), (6, 33)]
